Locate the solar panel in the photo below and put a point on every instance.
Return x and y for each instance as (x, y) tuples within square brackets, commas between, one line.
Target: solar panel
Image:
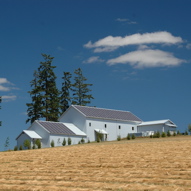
[(56, 128), (107, 113)]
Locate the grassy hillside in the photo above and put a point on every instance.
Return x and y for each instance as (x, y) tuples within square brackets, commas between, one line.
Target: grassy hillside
[(140, 164)]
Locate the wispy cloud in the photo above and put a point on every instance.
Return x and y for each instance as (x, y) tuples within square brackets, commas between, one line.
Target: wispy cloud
[(7, 98), (146, 59), (5, 85), (110, 42), (93, 59), (128, 21)]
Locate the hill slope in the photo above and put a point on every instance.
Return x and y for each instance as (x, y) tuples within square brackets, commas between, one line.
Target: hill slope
[(142, 164)]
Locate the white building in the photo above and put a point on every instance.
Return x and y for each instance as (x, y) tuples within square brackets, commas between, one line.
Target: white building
[(87, 122)]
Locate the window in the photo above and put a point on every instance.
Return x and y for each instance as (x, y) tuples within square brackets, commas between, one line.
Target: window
[(119, 126), (105, 125), (132, 128), (90, 124)]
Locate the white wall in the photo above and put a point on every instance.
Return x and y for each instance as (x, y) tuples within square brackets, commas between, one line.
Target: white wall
[(21, 139), (112, 128), (154, 128)]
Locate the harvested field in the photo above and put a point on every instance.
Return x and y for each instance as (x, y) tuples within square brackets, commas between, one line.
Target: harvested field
[(141, 164)]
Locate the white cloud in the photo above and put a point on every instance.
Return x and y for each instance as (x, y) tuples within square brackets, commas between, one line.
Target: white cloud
[(93, 59), (8, 98), (126, 21), (147, 58), (188, 46), (6, 86), (162, 37)]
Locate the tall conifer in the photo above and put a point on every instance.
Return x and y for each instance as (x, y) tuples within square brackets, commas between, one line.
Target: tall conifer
[(81, 89)]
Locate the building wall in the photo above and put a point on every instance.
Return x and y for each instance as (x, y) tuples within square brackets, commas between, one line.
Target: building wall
[(113, 128), (21, 139), (58, 139), (42, 132), (75, 117)]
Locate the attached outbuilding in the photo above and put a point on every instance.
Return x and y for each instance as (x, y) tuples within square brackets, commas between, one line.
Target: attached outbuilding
[(150, 127)]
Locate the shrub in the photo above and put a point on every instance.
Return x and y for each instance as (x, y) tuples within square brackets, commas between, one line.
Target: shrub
[(82, 140), (33, 147), (119, 138), (52, 143), (178, 132), (88, 141), (15, 148), (151, 136), (128, 137), (79, 142), (64, 142), (38, 143), (27, 144), (69, 141), (168, 133), (163, 134), (20, 148), (174, 134), (99, 137), (133, 136), (186, 132)]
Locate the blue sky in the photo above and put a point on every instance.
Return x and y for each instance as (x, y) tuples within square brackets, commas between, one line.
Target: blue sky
[(137, 55)]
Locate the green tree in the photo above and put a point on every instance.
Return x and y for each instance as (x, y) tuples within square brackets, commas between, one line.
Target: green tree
[(64, 142), (81, 89), (49, 91), (65, 99), (6, 143), (69, 141), (52, 143), (34, 110), (38, 143), (27, 144), (189, 128)]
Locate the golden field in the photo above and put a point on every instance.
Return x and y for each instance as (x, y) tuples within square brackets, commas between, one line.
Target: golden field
[(140, 164)]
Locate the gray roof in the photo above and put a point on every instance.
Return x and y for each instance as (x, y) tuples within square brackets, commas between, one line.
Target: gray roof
[(101, 113), (56, 127)]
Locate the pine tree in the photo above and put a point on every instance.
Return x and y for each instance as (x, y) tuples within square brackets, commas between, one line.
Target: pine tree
[(49, 91), (34, 110), (80, 89), (65, 98)]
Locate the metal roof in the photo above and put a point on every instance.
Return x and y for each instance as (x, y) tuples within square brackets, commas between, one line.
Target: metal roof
[(111, 114), (102, 131), (73, 128), (158, 122), (32, 134), (56, 127)]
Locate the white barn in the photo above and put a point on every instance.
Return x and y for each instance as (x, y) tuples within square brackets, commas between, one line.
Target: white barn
[(86, 122)]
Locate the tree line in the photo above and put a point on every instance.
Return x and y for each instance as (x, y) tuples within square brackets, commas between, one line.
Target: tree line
[(47, 101)]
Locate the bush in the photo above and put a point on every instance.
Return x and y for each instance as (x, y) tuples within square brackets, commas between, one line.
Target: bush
[(119, 138), (186, 132), (168, 133), (151, 136), (15, 148), (52, 143), (133, 136), (178, 132), (163, 134), (128, 137), (88, 141), (174, 134), (38, 143), (82, 140), (64, 142), (27, 144), (33, 147), (20, 148), (99, 137), (69, 141)]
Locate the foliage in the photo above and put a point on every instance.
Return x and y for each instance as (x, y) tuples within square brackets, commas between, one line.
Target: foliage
[(189, 128), (128, 137), (6, 143), (99, 137), (178, 132), (69, 141), (38, 143), (186, 133), (65, 98), (163, 134), (33, 147), (52, 143), (118, 138), (168, 133), (15, 148), (64, 142), (174, 134), (81, 89), (156, 135), (82, 140), (88, 141), (133, 136), (27, 144), (21, 147)]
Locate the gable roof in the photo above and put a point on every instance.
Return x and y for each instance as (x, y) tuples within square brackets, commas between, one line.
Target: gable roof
[(60, 128), (31, 134), (167, 122), (94, 112)]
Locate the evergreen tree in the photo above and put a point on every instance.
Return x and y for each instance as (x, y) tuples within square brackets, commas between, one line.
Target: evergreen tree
[(49, 91), (65, 98), (80, 89), (34, 110)]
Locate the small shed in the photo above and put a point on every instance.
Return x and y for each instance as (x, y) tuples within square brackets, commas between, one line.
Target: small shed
[(149, 127)]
